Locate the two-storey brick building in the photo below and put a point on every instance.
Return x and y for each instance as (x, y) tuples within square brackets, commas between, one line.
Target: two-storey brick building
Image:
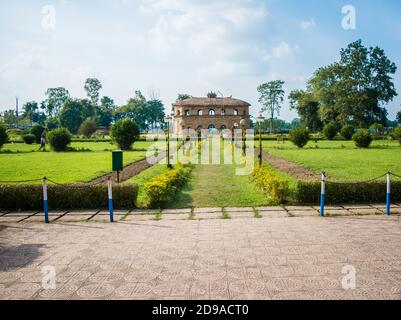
[(210, 113)]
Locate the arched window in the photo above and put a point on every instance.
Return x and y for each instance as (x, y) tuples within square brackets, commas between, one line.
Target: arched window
[(244, 112), (178, 112), (199, 128), (235, 112), (212, 112), (223, 112), (200, 112), (223, 127), (187, 113), (212, 128)]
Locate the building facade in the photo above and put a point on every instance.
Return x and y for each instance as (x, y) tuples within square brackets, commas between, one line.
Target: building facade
[(210, 113)]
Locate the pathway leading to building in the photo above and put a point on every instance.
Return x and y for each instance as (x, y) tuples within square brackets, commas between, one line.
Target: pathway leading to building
[(238, 258)]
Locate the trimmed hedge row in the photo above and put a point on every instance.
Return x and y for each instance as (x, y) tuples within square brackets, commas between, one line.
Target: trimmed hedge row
[(66, 197), (338, 193), (273, 185), (163, 188)]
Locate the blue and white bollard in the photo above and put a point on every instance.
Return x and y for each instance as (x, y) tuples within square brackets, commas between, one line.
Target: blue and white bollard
[(110, 189), (322, 194), (388, 198), (45, 204)]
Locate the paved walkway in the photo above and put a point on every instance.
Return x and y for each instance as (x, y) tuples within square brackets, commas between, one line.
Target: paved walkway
[(274, 257), (197, 213)]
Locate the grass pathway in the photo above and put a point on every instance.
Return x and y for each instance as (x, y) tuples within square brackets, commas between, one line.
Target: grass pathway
[(218, 186)]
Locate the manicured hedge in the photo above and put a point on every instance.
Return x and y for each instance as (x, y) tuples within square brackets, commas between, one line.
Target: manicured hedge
[(66, 197), (337, 193), (163, 188)]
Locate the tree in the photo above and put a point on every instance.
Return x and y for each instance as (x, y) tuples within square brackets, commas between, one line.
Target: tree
[(125, 132), (9, 117), (377, 130), (347, 132), (135, 110), (154, 113), (30, 109), (271, 97), (56, 98), (74, 112), (92, 88), (354, 89), (3, 136), (88, 128), (104, 112), (330, 130), (299, 136), (52, 123), (183, 96), (398, 117), (307, 108)]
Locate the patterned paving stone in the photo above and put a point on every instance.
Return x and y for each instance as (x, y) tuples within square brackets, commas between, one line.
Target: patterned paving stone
[(178, 216), (294, 258), (138, 217), (207, 210), (274, 214), (77, 216), (232, 209), (304, 213), (208, 215), (241, 214), (268, 209), (40, 217), (176, 211)]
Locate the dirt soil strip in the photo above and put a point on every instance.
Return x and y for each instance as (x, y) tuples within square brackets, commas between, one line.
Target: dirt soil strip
[(130, 170), (295, 170)]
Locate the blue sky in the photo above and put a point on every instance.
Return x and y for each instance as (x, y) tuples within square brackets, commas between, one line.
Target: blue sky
[(182, 46)]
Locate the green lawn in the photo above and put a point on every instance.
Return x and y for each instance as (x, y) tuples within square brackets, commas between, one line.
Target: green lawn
[(64, 167), (341, 160)]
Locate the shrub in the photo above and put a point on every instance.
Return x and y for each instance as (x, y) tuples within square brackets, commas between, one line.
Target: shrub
[(299, 137), (3, 136), (66, 197), (162, 189), (37, 130), (397, 134), (29, 138), (59, 139), (88, 128), (346, 192), (330, 131), (362, 139), (125, 132), (347, 132), (274, 186)]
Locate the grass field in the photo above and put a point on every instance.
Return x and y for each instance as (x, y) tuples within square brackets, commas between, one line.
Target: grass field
[(341, 160), (64, 167)]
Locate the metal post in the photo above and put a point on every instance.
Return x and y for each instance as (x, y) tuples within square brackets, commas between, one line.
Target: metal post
[(110, 192), (168, 145), (45, 203), (388, 204), (322, 194), (260, 145), (243, 140)]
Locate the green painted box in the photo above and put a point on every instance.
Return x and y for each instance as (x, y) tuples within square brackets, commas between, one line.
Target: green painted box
[(117, 160)]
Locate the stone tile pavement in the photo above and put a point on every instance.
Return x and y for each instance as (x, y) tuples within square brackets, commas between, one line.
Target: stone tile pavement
[(279, 256)]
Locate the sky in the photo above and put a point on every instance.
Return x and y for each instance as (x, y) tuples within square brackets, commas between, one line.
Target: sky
[(166, 47)]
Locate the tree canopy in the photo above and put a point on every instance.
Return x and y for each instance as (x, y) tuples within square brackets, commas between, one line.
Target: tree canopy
[(353, 90)]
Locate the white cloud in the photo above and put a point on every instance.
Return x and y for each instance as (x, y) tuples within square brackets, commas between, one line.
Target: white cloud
[(308, 24), (280, 52)]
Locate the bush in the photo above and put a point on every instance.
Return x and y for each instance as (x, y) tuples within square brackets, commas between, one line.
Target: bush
[(88, 128), (37, 130), (125, 132), (362, 139), (299, 137), (347, 132), (3, 136), (347, 192), (330, 131), (66, 197), (397, 134), (274, 186), (162, 189), (29, 138), (59, 139)]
